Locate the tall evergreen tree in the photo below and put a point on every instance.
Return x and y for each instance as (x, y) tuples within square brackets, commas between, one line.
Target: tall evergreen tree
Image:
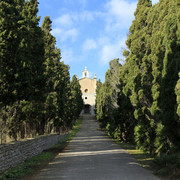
[(140, 76), (9, 41), (101, 114), (148, 82), (32, 47), (65, 98), (52, 62), (168, 136), (123, 115), (107, 95), (76, 95)]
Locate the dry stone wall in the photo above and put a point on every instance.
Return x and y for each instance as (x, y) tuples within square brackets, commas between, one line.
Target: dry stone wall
[(12, 154)]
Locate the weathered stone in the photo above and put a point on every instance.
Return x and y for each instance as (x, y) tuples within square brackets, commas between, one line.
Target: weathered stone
[(12, 154)]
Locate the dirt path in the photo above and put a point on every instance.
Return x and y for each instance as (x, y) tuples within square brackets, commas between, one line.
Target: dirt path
[(93, 156)]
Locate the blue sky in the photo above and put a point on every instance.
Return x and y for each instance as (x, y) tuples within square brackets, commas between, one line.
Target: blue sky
[(90, 32)]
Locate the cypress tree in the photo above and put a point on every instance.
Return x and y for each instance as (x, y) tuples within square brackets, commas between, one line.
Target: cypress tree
[(177, 91), (65, 98), (9, 41), (123, 115), (98, 103), (107, 95), (139, 79), (168, 136), (52, 61), (76, 95), (148, 81)]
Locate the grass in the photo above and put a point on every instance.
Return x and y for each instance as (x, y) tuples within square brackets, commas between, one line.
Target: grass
[(143, 158), (28, 167), (166, 167), (32, 165)]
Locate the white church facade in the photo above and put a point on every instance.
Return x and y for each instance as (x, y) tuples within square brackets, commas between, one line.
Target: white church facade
[(88, 89)]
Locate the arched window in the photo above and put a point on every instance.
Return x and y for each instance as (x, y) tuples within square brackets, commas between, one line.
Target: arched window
[(86, 90), (85, 74)]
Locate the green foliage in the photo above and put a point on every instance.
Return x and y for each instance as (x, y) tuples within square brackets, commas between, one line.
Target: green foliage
[(76, 98), (177, 91), (36, 96), (167, 165), (147, 108), (126, 53)]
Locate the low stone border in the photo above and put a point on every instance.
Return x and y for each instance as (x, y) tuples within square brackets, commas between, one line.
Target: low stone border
[(12, 154)]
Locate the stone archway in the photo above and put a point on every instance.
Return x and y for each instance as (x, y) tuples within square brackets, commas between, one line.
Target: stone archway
[(87, 109)]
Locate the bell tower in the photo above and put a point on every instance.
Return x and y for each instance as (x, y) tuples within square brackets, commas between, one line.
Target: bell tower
[(88, 89), (85, 73)]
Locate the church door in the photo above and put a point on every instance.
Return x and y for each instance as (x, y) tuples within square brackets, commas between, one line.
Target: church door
[(87, 109)]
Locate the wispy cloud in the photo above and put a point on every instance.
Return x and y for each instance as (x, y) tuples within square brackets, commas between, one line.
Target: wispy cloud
[(67, 55), (120, 14), (65, 34), (121, 8), (111, 51), (85, 16), (64, 20), (116, 16), (67, 26), (89, 44)]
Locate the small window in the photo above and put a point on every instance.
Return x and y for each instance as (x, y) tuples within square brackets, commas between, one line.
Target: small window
[(86, 90), (85, 97), (85, 74)]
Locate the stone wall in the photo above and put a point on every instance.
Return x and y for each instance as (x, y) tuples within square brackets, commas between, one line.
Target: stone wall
[(12, 154)]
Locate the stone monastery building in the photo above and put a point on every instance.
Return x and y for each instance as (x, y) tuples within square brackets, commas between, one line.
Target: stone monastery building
[(88, 89)]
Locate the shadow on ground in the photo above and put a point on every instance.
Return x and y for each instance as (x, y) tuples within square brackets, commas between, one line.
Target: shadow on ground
[(92, 155)]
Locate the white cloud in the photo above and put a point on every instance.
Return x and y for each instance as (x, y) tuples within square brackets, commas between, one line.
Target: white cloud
[(69, 20), (57, 32), (111, 51), (121, 8), (103, 40), (67, 55), (120, 14), (116, 17), (64, 34), (71, 33), (64, 20), (89, 44), (64, 28), (67, 26), (86, 16)]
